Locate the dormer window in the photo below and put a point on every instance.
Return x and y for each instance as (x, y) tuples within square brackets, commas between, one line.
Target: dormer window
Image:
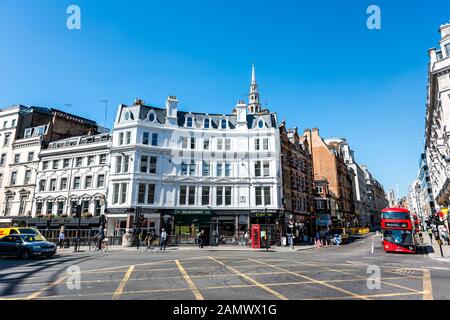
[(223, 123), (261, 123), (207, 123), (128, 116), (189, 122), (151, 116)]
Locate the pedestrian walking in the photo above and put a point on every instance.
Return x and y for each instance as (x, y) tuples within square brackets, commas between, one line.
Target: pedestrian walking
[(61, 239), (445, 235), (200, 238), (430, 233), (246, 238), (163, 240)]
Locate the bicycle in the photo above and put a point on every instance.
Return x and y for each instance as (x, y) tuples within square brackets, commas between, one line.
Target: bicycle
[(148, 246), (93, 245)]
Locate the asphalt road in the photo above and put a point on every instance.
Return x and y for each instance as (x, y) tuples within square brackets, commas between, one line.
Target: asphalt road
[(345, 272)]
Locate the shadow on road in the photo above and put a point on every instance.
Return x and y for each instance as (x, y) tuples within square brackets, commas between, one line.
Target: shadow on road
[(39, 265)]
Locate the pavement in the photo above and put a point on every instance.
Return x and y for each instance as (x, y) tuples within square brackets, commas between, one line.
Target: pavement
[(434, 251), (206, 248), (348, 272)]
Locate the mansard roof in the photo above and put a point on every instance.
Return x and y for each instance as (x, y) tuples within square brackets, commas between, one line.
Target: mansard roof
[(141, 112)]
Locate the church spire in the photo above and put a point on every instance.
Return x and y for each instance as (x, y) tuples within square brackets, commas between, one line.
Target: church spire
[(253, 98)]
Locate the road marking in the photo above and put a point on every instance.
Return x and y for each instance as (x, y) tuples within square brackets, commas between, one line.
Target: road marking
[(122, 284), (314, 280), (51, 285), (361, 277), (258, 284), (427, 286), (191, 284)]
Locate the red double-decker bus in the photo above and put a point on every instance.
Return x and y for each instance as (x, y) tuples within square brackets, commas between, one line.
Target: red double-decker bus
[(398, 231)]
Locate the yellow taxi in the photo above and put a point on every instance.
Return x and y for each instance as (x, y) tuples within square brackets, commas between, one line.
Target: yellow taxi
[(19, 230)]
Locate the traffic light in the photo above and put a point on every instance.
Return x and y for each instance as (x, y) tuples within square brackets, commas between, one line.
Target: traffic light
[(76, 211)]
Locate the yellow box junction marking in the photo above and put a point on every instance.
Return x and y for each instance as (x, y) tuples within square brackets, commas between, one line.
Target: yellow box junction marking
[(258, 284), (191, 284), (122, 284), (427, 286), (313, 280)]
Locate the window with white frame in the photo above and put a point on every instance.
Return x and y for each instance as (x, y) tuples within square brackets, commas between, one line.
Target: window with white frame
[(257, 146), (206, 196), (52, 186), (207, 123), (123, 194), (262, 196), (187, 195), (100, 181), (223, 196), (13, 178), (88, 182), (206, 172), (153, 165), (154, 139), (223, 123), (76, 183), (63, 184), (42, 185), (27, 177), (189, 122), (145, 138), (206, 144)]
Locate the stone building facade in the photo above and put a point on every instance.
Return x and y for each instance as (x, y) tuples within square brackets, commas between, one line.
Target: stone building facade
[(298, 185)]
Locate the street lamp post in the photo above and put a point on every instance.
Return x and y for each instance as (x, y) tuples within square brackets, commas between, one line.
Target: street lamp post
[(78, 238), (267, 229)]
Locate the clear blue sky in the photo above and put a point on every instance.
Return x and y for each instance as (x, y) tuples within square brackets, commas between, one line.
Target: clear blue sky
[(317, 64)]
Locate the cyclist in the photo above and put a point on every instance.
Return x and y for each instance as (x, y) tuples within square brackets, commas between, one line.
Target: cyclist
[(150, 238), (101, 236)]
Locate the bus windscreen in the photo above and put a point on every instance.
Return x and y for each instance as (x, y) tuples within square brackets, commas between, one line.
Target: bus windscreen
[(395, 215)]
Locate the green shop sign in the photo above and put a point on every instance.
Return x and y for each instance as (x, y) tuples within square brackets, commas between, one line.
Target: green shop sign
[(193, 212)]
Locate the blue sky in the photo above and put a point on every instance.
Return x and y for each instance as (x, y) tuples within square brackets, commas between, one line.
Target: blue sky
[(317, 64)]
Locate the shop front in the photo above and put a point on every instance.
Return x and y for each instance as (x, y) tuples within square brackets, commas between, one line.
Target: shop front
[(50, 227), (323, 221), (271, 224), (123, 221), (221, 227), (300, 226), (188, 223)]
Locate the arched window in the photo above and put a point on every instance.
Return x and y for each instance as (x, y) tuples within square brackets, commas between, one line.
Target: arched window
[(207, 123), (189, 122), (223, 123)]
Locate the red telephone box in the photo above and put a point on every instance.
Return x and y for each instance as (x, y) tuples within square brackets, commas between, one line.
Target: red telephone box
[(256, 236)]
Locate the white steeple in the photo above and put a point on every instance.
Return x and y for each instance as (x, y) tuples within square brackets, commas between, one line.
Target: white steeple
[(253, 98)]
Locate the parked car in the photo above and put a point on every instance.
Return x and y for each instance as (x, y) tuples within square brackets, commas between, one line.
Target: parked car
[(26, 246), (19, 230)]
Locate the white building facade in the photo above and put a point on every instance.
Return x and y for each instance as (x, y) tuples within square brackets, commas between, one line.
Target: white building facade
[(73, 172), (186, 171), (437, 133), (9, 119)]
